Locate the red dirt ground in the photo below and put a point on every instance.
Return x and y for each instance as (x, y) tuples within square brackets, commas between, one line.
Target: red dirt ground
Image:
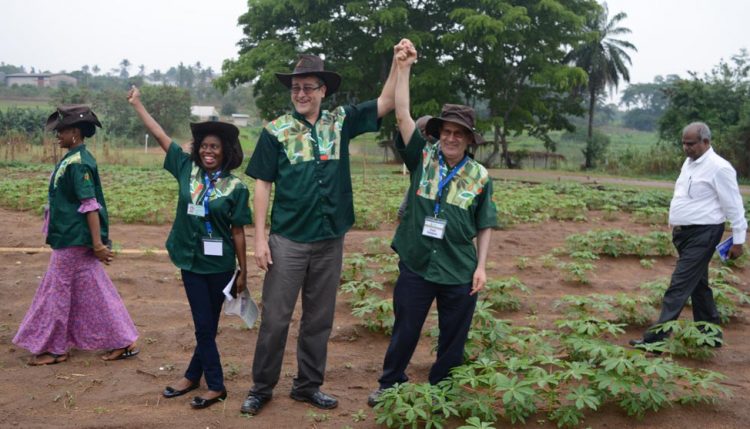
[(85, 392)]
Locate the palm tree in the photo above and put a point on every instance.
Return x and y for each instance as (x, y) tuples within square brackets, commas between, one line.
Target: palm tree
[(124, 66), (605, 59)]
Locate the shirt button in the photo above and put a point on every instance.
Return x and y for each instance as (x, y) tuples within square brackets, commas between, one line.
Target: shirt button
[(320, 181), (434, 251), (317, 162)]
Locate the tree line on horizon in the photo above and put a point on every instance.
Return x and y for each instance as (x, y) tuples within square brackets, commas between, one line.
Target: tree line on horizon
[(168, 95)]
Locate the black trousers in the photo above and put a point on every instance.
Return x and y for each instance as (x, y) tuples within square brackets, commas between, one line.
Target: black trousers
[(412, 299), (695, 246), (204, 293)]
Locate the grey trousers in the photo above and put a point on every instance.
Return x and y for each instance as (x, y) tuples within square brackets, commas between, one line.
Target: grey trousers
[(695, 245), (315, 270)]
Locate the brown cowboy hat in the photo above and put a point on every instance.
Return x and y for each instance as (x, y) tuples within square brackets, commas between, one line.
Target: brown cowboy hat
[(457, 114), (312, 65), (227, 133), (69, 115)]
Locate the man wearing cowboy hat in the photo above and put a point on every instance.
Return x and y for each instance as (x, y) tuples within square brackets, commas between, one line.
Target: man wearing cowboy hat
[(450, 204), (306, 155)]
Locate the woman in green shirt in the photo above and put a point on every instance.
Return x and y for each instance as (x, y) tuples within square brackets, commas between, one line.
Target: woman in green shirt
[(76, 304), (206, 237)]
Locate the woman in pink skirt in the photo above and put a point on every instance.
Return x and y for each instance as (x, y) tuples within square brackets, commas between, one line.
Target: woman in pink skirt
[(76, 305)]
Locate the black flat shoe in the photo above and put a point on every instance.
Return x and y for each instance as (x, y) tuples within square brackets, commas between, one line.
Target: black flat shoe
[(197, 403), (317, 399), (171, 392), (253, 404)]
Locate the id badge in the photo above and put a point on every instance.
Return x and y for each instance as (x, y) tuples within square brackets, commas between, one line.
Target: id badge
[(196, 210), (213, 247), (434, 227)]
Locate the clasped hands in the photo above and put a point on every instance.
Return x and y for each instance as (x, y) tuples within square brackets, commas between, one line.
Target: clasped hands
[(404, 53)]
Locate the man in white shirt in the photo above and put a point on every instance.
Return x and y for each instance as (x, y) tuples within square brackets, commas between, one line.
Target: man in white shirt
[(705, 196)]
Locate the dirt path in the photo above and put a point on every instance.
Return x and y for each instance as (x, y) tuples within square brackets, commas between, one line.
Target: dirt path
[(86, 392)]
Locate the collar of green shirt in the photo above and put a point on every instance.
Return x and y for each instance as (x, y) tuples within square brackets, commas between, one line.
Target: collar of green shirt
[(298, 116)]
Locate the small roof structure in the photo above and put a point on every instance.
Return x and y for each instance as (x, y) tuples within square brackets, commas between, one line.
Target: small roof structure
[(204, 113)]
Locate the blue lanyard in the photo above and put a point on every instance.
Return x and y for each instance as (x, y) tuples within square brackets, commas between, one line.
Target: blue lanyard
[(209, 184), (445, 180)]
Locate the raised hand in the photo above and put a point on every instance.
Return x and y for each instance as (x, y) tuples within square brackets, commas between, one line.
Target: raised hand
[(134, 95), (405, 53)]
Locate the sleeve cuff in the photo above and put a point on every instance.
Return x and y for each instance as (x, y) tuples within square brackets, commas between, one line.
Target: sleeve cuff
[(739, 236), (89, 205)]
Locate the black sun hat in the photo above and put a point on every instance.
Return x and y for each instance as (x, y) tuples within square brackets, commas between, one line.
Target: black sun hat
[(457, 114), (312, 65), (227, 133), (70, 115)]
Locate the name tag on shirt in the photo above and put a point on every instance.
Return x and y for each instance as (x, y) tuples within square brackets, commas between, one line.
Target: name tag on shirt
[(434, 227), (196, 210), (213, 247)]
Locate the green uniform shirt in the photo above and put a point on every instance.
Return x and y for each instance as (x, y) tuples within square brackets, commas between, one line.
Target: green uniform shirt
[(466, 204), (309, 165), (75, 178), (228, 206)]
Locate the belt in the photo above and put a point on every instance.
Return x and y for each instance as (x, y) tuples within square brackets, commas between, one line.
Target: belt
[(688, 227)]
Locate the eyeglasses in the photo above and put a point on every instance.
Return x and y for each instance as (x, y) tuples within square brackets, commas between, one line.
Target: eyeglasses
[(307, 90)]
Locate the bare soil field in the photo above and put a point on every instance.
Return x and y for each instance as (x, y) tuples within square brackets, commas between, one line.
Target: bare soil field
[(86, 392)]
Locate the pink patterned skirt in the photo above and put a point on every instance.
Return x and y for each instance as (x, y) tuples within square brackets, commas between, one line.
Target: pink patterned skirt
[(76, 306)]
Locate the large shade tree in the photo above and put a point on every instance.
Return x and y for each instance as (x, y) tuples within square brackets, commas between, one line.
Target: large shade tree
[(505, 54), (512, 52), (604, 57)]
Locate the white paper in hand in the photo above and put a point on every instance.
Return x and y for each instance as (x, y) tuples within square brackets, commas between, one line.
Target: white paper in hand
[(242, 306)]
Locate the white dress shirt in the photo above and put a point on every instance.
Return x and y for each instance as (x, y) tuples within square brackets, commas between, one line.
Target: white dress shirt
[(706, 193)]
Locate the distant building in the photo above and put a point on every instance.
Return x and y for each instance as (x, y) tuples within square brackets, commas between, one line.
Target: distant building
[(40, 80), (240, 119), (161, 82), (204, 113)]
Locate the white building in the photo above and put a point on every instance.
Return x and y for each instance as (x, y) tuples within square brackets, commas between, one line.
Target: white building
[(204, 113), (40, 80), (240, 119)]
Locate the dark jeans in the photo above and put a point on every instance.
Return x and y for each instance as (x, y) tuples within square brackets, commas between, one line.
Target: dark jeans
[(412, 299), (204, 293), (695, 246)]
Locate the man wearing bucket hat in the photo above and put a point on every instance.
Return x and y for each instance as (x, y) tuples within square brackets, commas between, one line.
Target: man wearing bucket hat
[(450, 204), (305, 154)]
